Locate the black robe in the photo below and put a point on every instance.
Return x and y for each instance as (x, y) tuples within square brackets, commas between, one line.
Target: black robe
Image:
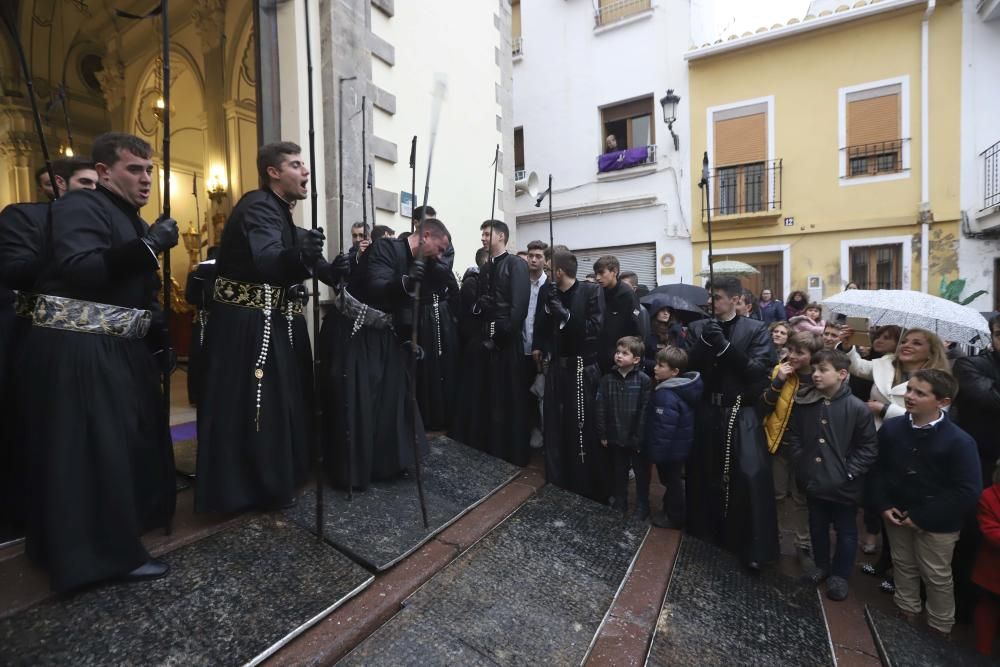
[(101, 463), (246, 457), (437, 372), (564, 344), (739, 515), (22, 236), (366, 376), (621, 318), (490, 410), (198, 293)]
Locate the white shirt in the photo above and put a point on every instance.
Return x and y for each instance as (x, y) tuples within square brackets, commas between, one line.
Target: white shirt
[(529, 321)]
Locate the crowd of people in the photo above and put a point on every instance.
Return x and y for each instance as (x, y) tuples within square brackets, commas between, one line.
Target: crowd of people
[(750, 405)]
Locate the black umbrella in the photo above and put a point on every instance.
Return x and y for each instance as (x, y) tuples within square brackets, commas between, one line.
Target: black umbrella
[(683, 309), (690, 293)]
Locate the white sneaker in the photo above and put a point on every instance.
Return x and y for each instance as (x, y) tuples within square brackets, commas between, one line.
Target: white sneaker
[(536, 439)]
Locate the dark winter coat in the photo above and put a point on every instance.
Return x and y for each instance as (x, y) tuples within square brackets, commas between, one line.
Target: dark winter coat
[(23, 231), (977, 405), (771, 311), (670, 423), (621, 407), (677, 336), (931, 473), (831, 444), (621, 318)]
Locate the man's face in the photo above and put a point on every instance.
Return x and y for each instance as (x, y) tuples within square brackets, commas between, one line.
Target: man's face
[(826, 378), (920, 399), (606, 278), (357, 235), (290, 179), (131, 177), (765, 295), (495, 243), (536, 261), (45, 185), (84, 179), (831, 336), (724, 304), (435, 246)]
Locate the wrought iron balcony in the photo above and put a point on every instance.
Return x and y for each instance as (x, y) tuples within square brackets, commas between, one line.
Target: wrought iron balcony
[(610, 12), (517, 46), (991, 182), (875, 159), (626, 159), (743, 189)]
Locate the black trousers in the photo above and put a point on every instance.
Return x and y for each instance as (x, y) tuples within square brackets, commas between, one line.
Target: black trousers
[(624, 458)]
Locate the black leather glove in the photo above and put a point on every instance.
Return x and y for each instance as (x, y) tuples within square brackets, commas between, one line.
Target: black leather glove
[(414, 349), (557, 309), (415, 275), (311, 246), (332, 273), (712, 334), (162, 235), (297, 293)]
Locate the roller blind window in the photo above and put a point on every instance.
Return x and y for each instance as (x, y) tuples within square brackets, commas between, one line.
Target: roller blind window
[(874, 141)]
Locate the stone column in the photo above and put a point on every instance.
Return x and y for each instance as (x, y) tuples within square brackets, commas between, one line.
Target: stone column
[(208, 17)]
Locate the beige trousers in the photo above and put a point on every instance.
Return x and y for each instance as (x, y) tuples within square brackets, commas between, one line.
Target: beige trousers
[(920, 555), (794, 516)]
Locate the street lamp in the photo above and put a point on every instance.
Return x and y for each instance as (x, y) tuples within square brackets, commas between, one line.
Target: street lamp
[(669, 104)]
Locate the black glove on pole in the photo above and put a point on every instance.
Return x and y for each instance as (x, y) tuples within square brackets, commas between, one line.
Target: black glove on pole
[(311, 249), (162, 235)]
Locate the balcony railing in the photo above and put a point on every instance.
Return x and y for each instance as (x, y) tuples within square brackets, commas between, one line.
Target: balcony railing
[(991, 184), (517, 46), (610, 12), (741, 189), (626, 159), (875, 159)]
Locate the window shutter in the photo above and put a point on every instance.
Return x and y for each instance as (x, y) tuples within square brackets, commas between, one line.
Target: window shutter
[(873, 120), (640, 107), (741, 140), (638, 258)]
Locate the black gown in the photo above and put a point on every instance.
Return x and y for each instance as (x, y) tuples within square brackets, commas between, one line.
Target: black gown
[(198, 293), (366, 376), (490, 410), (739, 515), (101, 462), (22, 240), (576, 342), (250, 457), (437, 372)]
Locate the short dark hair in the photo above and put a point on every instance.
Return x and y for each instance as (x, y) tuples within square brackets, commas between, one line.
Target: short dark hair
[(806, 341), (482, 255), (538, 245), (674, 357), (272, 155), (633, 344), (566, 261), (65, 167), (499, 227), (108, 146), (731, 285), (44, 169), (630, 277), (418, 212), (994, 324), (830, 324), (435, 227), (607, 263), (943, 384), (813, 306), (378, 231), (835, 358), (360, 225)]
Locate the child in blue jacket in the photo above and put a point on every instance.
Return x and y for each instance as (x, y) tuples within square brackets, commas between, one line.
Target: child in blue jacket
[(670, 429)]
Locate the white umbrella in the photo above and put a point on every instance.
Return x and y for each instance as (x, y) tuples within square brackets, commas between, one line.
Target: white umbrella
[(731, 268), (914, 310)]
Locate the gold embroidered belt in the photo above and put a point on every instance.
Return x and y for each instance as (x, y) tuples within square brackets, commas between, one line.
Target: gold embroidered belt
[(254, 295), (24, 304), (58, 312)]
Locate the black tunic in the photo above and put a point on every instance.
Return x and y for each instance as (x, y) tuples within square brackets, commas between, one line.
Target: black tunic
[(198, 293), (621, 318), (437, 372), (101, 462), (746, 523), (249, 457), (490, 410), (564, 344), (366, 376)]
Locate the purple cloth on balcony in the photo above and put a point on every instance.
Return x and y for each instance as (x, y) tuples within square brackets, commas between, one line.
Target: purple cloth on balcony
[(629, 157)]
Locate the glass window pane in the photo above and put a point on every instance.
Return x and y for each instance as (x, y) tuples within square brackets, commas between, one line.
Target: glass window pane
[(640, 131)]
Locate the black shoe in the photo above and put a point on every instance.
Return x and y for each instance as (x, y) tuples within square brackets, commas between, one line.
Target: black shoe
[(661, 520), (642, 511), (836, 589), (151, 569), (814, 577)]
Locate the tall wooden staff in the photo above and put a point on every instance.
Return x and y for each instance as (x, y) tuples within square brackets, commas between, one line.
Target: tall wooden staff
[(165, 18)]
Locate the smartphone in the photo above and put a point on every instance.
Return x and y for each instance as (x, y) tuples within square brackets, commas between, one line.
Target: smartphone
[(862, 327)]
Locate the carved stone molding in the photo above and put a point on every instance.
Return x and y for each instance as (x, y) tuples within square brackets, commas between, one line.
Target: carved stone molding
[(209, 18), (112, 80)]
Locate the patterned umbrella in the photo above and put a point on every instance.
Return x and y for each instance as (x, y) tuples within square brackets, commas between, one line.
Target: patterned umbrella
[(731, 268), (914, 310), (690, 293)]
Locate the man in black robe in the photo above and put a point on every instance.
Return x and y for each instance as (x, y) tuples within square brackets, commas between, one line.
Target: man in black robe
[(566, 341), (729, 485), (198, 293), (374, 417), (490, 413), (101, 463), (255, 414), (621, 310)]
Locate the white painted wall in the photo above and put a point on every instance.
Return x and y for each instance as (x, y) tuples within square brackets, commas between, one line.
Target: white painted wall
[(458, 38), (568, 71), (980, 130)]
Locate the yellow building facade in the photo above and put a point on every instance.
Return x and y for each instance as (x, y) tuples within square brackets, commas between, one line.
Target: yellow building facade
[(833, 146)]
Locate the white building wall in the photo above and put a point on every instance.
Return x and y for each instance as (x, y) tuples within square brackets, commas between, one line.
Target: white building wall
[(980, 130), (568, 71)]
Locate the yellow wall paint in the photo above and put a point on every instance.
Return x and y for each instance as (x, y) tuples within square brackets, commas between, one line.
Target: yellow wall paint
[(803, 74)]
